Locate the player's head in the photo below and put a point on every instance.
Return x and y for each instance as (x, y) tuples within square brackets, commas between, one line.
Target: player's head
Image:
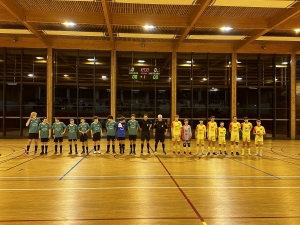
[(82, 120), (71, 121), (201, 121), (57, 119), (258, 122), (45, 119), (234, 118), (159, 117), (186, 121), (96, 118), (176, 117), (122, 119), (212, 118), (145, 116), (246, 119), (110, 118), (33, 115), (221, 124), (132, 116)]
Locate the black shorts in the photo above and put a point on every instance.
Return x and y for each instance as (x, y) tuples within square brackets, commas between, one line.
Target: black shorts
[(58, 139), (160, 137), (44, 139), (33, 136), (110, 138), (132, 137), (96, 136), (72, 140), (121, 138), (83, 138), (145, 136)]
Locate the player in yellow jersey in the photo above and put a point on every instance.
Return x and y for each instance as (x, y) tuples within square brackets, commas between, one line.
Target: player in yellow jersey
[(222, 139), (176, 134), (200, 134), (246, 130), (259, 132), (234, 129), (212, 130)]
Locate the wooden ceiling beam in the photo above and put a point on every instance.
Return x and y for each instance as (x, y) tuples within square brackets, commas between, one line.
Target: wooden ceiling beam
[(15, 10), (107, 16), (281, 17), (199, 8)]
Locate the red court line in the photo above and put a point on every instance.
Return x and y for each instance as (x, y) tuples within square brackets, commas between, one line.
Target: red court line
[(179, 188), (272, 150)]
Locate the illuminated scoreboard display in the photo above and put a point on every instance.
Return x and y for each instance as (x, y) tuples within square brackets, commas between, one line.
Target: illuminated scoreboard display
[(144, 73)]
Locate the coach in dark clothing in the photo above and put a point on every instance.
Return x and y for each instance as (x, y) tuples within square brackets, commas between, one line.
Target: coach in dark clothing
[(160, 130)]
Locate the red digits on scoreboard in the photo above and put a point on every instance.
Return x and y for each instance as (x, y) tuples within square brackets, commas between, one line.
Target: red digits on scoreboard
[(144, 70)]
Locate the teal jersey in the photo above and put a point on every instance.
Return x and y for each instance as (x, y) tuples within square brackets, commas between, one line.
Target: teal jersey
[(45, 130), (83, 127), (58, 129), (111, 128), (96, 127), (34, 125), (72, 129), (132, 125)]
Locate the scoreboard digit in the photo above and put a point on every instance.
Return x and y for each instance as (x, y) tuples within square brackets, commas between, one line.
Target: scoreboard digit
[(144, 73)]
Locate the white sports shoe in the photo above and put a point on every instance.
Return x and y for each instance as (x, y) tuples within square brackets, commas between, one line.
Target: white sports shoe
[(99, 152), (256, 154), (95, 152)]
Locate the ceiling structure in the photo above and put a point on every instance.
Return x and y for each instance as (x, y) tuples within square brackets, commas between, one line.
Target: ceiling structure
[(268, 26)]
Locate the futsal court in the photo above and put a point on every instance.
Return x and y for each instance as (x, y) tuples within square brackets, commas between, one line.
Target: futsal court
[(149, 189)]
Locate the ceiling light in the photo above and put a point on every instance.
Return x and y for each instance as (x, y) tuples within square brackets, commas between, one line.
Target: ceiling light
[(69, 24), (190, 62), (285, 63), (297, 30), (276, 79), (226, 28), (204, 78), (281, 66), (239, 78), (256, 3), (216, 37), (66, 75), (92, 60), (38, 57), (149, 27), (104, 77), (238, 62), (30, 75), (141, 61)]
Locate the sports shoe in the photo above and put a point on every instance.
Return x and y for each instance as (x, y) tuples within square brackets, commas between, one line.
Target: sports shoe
[(82, 152), (174, 152), (178, 152), (55, 152), (130, 153), (237, 153), (249, 154), (134, 153), (260, 155), (35, 152), (184, 152), (225, 153), (208, 153), (242, 154), (70, 153), (256, 154), (232, 153), (107, 152), (214, 153), (196, 153), (203, 153), (190, 153), (61, 153), (221, 153), (42, 153), (95, 152), (99, 152), (164, 152), (114, 153)]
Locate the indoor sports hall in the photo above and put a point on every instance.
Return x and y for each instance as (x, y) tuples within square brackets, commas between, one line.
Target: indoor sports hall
[(149, 112)]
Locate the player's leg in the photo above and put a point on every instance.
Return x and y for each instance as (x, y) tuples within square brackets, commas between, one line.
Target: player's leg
[(36, 140), (42, 147), (209, 145), (131, 142), (237, 146), (55, 145), (95, 145), (244, 144), (28, 144), (231, 145), (202, 146), (189, 147), (113, 145), (75, 145), (248, 147), (214, 146), (98, 143), (143, 137), (86, 145), (162, 140), (70, 146), (60, 145), (134, 143), (261, 146), (108, 145), (256, 147)]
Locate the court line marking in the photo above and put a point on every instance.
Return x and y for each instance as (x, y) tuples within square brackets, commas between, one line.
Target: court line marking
[(62, 177), (252, 167), (180, 189), (148, 187)]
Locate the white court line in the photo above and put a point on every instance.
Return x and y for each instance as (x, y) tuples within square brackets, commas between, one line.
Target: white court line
[(140, 187)]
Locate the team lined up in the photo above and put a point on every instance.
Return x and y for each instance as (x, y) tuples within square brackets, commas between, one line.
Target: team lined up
[(42, 130)]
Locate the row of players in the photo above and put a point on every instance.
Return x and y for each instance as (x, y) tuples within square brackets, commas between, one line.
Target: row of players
[(41, 130)]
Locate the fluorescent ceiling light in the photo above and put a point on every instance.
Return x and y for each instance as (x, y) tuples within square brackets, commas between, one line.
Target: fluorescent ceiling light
[(164, 2), (216, 37), (239, 78), (297, 30), (74, 33), (149, 27), (285, 63), (190, 62), (281, 66), (12, 83), (133, 35), (204, 78), (30, 75), (272, 38), (69, 24), (39, 57), (104, 77), (66, 75), (255, 3), (226, 28), (92, 60), (14, 31), (41, 61), (141, 61)]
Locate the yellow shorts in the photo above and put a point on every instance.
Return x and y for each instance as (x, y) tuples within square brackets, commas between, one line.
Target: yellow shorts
[(259, 141), (222, 140), (246, 138), (176, 137), (235, 137), (200, 141), (211, 138)]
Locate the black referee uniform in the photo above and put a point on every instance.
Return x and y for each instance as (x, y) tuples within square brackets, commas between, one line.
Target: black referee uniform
[(160, 129), (145, 125)]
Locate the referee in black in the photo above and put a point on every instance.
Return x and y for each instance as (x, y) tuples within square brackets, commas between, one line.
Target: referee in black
[(160, 130), (145, 126)]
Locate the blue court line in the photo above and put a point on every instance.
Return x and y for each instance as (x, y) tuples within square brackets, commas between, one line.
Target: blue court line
[(74, 166), (252, 167)]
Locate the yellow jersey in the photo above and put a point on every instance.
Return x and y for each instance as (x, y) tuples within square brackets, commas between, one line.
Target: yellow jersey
[(246, 128), (221, 132), (176, 127), (201, 130), (235, 127), (211, 128)]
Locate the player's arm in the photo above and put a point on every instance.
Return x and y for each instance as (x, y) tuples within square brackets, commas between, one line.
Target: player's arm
[(196, 131), (101, 133), (254, 131), (49, 131), (172, 129), (154, 129), (166, 129), (65, 128), (230, 127), (150, 126), (240, 128), (28, 122), (39, 132)]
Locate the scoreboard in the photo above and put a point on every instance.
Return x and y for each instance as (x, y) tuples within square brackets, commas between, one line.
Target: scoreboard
[(144, 73)]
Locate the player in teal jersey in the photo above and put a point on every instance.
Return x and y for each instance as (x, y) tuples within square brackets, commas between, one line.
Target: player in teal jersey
[(111, 133), (96, 132), (44, 135), (83, 129), (133, 127), (33, 123), (72, 136), (59, 128)]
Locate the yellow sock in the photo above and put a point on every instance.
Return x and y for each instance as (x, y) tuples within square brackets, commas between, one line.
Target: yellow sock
[(189, 149), (256, 150), (249, 151), (202, 149), (213, 149), (208, 149), (243, 151), (178, 146), (174, 147), (261, 149), (197, 148), (231, 147), (225, 148)]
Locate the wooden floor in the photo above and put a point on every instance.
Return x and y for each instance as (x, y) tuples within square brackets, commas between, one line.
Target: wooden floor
[(162, 189)]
